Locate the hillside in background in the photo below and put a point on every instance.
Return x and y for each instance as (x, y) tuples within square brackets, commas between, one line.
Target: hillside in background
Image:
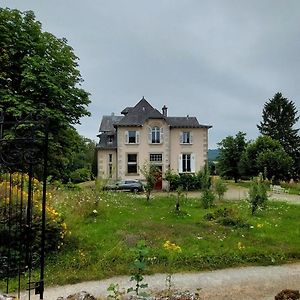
[(212, 154)]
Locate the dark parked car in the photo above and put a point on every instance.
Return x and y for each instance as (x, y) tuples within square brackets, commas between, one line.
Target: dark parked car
[(126, 185), (130, 185)]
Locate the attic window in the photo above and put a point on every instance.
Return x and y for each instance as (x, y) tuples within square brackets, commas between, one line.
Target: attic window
[(110, 139)]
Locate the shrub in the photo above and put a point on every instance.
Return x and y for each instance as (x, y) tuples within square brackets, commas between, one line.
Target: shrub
[(257, 194), (227, 217), (207, 198), (14, 229), (220, 188), (81, 175)]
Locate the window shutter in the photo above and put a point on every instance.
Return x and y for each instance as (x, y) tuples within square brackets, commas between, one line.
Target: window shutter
[(137, 136), (191, 138), (126, 137), (180, 163), (193, 163), (161, 134), (181, 137), (149, 135)]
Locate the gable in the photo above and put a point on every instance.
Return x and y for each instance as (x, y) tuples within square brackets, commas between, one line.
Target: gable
[(137, 115)]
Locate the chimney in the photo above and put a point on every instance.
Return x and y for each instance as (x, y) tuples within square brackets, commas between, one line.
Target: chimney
[(165, 111)]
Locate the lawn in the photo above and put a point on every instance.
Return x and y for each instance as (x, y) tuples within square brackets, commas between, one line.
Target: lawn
[(103, 229)]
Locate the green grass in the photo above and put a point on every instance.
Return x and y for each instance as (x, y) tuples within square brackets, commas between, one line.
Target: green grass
[(100, 244)]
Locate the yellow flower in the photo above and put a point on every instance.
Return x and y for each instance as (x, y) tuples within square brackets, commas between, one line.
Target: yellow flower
[(259, 225), (171, 246), (241, 246)]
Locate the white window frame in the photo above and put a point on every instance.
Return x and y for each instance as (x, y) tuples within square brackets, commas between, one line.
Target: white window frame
[(158, 135), (186, 137), (156, 157), (183, 163), (127, 137)]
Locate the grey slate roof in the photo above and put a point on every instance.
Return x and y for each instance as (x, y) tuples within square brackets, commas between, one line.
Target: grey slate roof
[(103, 141), (126, 110), (138, 114), (185, 122), (108, 122)]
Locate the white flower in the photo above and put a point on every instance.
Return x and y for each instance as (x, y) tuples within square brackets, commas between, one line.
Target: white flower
[(95, 211)]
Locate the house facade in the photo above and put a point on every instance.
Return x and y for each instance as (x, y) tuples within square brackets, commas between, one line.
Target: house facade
[(144, 135)]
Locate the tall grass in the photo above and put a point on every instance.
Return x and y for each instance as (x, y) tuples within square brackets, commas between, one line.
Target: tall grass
[(105, 227)]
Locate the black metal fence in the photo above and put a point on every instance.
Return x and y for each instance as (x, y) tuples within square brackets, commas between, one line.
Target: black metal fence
[(23, 159)]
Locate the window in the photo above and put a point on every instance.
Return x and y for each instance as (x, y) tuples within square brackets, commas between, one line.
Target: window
[(186, 137), (132, 137), (132, 163), (110, 139), (155, 135), (186, 163), (155, 157), (110, 167)]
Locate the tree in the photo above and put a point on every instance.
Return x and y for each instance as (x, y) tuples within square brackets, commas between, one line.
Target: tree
[(39, 78), (149, 171), (266, 156), (82, 160), (257, 194), (278, 120), (220, 188), (231, 149)]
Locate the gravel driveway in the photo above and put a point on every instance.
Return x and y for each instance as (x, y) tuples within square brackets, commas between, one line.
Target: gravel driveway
[(247, 283)]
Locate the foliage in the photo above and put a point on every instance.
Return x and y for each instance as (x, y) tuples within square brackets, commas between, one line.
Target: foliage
[(188, 182), (279, 117), (257, 194), (231, 149), (82, 160), (115, 292), (39, 77), (178, 196), (15, 229), (172, 250), (220, 188), (227, 217), (80, 175), (141, 252), (150, 172), (207, 198), (205, 179), (266, 156)]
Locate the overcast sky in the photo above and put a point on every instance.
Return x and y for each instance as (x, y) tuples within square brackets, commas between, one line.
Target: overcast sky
[(217, 60)]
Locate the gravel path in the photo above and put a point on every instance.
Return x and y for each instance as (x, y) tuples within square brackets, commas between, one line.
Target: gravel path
[(247, 283), (240, 193)]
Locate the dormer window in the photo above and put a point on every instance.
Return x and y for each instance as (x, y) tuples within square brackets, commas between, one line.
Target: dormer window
[(110, 139), (155, 135)]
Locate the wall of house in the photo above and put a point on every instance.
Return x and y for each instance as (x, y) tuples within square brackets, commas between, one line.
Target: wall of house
[(143, 148), (199, 147), (103, 163)]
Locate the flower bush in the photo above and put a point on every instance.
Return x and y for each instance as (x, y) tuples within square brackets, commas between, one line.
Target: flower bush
[(21, 223)]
